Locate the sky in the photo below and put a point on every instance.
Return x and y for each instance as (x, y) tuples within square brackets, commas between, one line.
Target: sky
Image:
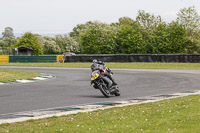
[(61, 16)]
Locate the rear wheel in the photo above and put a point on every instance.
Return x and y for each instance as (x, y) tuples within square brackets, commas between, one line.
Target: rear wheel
[(104, 90)]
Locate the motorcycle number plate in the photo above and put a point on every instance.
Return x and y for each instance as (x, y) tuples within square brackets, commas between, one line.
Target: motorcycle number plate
[(95, 76)]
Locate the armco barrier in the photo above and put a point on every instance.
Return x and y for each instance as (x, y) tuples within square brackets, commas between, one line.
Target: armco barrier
[(185, 58), (4, 59), (32, 59)]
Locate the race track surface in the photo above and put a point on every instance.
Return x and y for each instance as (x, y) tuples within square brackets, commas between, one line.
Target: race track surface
[(72, 87)]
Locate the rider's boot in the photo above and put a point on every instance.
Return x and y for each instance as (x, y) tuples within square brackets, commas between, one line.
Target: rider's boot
[(114, 83)]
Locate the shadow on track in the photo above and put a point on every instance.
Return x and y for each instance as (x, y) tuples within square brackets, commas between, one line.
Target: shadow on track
[(91, 96)]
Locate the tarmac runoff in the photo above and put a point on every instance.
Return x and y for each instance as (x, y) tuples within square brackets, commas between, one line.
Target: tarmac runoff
[(43, 77), (59, 111)]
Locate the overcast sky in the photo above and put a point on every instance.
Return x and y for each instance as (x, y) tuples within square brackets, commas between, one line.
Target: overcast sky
[(60, 16)]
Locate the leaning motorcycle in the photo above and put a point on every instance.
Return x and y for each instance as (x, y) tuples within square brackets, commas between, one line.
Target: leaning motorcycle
[(100, 84)]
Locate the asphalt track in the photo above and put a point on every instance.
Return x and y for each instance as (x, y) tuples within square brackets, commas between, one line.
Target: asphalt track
[(72, 87)]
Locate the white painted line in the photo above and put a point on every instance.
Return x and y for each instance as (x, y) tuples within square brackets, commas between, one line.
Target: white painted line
[(34, 114), (24, 81), (90, 106), (45, 77), (39, 78)]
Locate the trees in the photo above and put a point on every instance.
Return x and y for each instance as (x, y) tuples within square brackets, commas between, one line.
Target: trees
[(59, 44), (126, 21), (130, 41), (4, 48), (170, 39), (50, 46), (8, 33), (129, 38), (78, 29), (190, 19), (159, 40), (98, 38), (148, 21), (31, 41), (179, 42), (147, 33), (72, 45), (7, 40), (68, 44)]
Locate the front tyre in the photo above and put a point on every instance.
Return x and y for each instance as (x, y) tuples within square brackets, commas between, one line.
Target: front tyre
[(104, 90), (117, 92)]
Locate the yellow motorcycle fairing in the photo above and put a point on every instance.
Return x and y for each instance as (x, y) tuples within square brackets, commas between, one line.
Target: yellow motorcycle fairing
[(95, 76)]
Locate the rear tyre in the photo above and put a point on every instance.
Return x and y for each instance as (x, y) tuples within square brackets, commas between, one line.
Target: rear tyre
[(104, 90)]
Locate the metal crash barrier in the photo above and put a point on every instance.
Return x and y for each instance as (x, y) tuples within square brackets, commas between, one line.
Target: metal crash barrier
[(182, 58), (4, 59), (32, 59)]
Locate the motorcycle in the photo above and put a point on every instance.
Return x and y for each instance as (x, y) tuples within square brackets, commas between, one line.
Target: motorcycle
[(100, 84)]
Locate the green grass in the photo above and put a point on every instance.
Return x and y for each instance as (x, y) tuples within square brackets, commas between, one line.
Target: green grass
[(113, 65), (180, 115), (12, 75)]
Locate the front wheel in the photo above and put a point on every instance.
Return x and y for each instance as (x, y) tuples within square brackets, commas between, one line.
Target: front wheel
[(117, 92), (104, 90)]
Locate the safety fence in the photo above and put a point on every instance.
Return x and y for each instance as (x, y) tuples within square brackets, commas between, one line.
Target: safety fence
[(32, 59), (4, 59), (185, 58)]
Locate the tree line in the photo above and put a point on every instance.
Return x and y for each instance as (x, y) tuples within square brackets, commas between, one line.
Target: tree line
[(40, 44), (146, 34)]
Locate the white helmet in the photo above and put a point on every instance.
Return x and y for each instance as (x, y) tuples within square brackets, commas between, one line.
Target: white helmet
[(95, 61)]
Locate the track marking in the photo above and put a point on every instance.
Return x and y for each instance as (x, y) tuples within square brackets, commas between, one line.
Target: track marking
[(59, 111)]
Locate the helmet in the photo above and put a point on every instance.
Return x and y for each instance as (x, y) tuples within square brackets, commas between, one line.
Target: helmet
[(94, 61), (92, 67)]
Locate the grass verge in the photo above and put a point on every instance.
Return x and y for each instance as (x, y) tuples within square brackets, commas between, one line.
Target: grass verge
[(12, 75), (113, 65), (174, 115)]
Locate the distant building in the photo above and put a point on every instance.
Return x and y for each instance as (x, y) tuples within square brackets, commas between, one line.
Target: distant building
[(23, 51)]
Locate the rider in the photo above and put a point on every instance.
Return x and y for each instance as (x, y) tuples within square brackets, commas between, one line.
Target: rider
[(99, 65)]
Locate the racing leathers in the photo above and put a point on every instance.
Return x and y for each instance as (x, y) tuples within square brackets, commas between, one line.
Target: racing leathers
[(105, 72)]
